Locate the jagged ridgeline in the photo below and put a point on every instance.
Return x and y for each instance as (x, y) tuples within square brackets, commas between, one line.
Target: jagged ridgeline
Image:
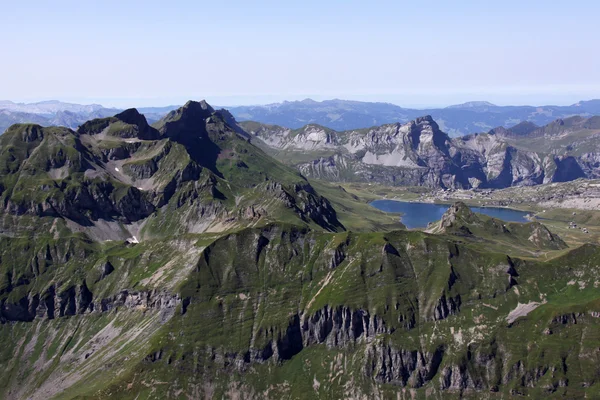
[(118, 178), (419, 153), (180, 261)]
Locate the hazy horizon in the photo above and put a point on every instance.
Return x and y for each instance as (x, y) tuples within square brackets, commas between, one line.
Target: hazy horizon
[(413, 55), (122, 104)]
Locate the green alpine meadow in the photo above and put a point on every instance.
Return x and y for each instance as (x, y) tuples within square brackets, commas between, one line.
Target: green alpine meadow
[(178, 260)]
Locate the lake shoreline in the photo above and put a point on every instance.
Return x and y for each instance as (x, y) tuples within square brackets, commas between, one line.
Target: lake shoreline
[(418, 215)]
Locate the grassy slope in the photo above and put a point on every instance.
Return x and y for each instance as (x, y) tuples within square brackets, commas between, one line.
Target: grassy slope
[(238, 289), (356, 214), (231, 301)]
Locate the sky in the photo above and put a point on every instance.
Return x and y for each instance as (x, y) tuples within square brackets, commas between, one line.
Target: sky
[(411, 53)]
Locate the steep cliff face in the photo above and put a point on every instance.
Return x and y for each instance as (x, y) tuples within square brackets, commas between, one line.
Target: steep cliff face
[(419, 153)]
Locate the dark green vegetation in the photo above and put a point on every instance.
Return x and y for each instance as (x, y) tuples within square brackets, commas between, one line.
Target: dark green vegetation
[(180, 261)]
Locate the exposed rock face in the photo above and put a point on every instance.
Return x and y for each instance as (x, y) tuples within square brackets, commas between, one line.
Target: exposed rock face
[(458, 216), (340, 326), (386, 364), (79, 300), (419, 153)]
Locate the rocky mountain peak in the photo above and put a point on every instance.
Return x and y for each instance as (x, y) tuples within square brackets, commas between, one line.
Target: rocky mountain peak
[(188, 119), (425, 119), (424, 131), (458, 210), (523, 128), (142, 129), (456, 220), (196, 106), (426, 124), (127, 124), (132, 116)]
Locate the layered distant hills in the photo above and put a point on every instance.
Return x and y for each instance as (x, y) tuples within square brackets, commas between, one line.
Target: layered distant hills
[(50, 113), (456, 120)]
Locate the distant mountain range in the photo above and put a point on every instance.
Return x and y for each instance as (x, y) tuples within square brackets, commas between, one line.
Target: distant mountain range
[(456, 120), (50, 113), (419, 153)]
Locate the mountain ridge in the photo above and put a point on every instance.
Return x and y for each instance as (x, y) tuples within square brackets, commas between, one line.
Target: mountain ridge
[(337, 114), (457, 120), (419, 153)]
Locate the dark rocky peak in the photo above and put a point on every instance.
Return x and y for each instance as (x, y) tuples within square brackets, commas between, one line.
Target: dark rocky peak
[(190, 119), (127, 124), (201, 130), (499, 131), (426, 119), (230, 120), (133, 117), (195, 110), (523, 128)]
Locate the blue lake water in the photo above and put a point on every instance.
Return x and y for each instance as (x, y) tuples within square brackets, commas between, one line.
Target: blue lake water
[(418, 215)]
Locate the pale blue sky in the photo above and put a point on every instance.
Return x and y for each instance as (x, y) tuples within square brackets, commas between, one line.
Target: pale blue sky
[(417, 53)]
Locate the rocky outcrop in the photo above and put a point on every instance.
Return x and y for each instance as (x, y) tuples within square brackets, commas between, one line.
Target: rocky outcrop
[(446, 307), (419, 153), (80, 300), (339, 327), (307, 204), (413, 368)]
